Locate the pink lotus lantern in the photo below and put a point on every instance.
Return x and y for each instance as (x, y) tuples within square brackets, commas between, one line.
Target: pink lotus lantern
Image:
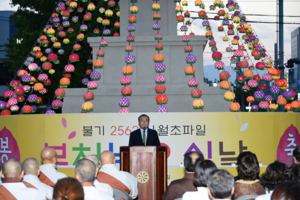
[(219, 65), (238, 53), (193, 82), (125, 80), (69, 68)]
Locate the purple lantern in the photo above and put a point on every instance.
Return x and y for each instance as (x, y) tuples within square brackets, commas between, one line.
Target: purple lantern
[(288, 95), (254, 107), (32, 98), (130, 59), (85, 81), (156, 26), (2, 105), (274, 89), (160, 67), (131, 27), (268, 98), (26, 78), (183, 28), (191, 58), (162, 109), (95, 75), (50, 112), (34, 108), (259, 94), (124, 102)]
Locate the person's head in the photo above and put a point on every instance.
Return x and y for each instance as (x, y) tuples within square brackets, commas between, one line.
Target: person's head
[(94, 159), (294, 173), (107, 157), (144, 121), (286, 191), (190, 160), (220, 184), (68, 189), (242, 155), (85, 170), (202, 170), (274, 175), (12, 168), (248, 168), (49, 155), (31, 167), (296, 155)]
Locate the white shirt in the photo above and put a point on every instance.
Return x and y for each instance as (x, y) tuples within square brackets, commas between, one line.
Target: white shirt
[(34, 180), (50, 171), (21, 192), (91, 193), (200, 194), (125, 177), (146, 132), (104, 187), (264, 196)]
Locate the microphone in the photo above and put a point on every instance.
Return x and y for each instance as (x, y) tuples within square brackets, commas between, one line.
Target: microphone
[(144, 127)]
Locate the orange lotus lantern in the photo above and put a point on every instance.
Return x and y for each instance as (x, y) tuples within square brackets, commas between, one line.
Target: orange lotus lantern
[(273, 106), (64, 82), (127, 70), (189, 70), (281, 101), (225, 85), (248, 74), (234, 107), (98, 63), (38, 86), (158, 57), (87, 106), (288, 107), (229, 96), (198, 103), (250, 99), (295, 105)]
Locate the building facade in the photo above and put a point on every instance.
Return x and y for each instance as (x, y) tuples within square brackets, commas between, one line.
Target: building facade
[(6, 33), (294, 73)]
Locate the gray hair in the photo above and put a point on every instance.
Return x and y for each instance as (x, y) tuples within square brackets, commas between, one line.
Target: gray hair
[(220, 183), (86, 170)]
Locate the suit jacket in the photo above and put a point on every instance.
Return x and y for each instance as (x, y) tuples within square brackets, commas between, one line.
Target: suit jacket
[(178, 187), (136, 139)]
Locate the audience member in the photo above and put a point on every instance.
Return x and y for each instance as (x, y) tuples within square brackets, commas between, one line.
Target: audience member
[(85, 171), (273, 176), (286, 191), (239, 158), (68, 189), (202, 170), (110, 174), (103, 187), (12, 187), (248, 185), (293, 174), (178, 187), (296, 155), (220, 184), (48, 174), (31, 173)]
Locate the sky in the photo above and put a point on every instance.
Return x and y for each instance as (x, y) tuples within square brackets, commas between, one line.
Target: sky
[(266, 31)]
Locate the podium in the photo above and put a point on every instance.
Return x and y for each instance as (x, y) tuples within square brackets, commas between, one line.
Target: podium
[(149, 165)]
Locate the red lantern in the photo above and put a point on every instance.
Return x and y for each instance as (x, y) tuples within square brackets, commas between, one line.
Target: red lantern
[(88, 95), (196, 93), (256, 77), (160, 88), (260, 66), (161, 99), (126, 91)]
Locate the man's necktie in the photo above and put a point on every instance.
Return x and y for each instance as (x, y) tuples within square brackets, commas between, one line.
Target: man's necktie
[(144, 138)]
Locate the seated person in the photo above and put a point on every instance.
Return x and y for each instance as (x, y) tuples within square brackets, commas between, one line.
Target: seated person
[(202, 170), (248, 171), (220, 184), (178, 187)]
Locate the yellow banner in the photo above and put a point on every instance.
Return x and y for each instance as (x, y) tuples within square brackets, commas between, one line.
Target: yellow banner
[(218, 136)]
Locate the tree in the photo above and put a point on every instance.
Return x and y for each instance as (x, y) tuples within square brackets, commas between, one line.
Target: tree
[(30, 20)]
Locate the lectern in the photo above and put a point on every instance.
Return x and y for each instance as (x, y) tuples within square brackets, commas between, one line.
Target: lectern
[(149, 165)]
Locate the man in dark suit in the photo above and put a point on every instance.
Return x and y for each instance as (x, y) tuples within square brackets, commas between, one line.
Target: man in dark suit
[(144, 136)]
